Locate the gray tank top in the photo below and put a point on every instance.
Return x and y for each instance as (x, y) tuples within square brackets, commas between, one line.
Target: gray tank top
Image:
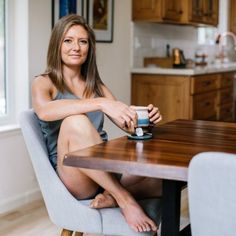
[(50, 129)]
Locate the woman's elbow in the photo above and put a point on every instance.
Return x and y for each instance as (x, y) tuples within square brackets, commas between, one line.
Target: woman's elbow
[(42, 115)]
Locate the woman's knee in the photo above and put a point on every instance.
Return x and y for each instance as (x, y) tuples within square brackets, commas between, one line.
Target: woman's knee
[(77, 124)]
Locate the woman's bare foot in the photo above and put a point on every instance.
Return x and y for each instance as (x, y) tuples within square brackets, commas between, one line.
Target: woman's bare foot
[(133, 213), (137, 219), (103, 200)]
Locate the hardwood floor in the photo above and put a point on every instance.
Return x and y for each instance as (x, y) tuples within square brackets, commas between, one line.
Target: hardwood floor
[(29, 220), (33, 220)]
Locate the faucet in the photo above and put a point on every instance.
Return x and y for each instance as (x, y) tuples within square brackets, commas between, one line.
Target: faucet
[(219, 40)]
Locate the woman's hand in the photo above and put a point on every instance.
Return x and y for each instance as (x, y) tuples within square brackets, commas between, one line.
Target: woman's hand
[(120, 113), (154, 114)]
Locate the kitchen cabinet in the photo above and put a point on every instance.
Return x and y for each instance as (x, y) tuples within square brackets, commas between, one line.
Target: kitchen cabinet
[(172, 10), (204, 11), (203, 97), (180, 12), (146, 10), (157, 10), (232, 16)]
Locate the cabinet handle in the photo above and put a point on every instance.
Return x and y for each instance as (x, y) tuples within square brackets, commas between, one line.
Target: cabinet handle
[(228, 80), (207, 104), (207, 83), (199, 12)]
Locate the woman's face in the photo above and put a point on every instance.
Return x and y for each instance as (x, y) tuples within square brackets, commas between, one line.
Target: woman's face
[(75, 46)]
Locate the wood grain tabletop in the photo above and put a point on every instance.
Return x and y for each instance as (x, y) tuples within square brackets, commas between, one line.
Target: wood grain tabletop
[(166, 155)]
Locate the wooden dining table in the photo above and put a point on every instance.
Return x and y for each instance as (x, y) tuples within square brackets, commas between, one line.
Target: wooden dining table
[(166, 156)]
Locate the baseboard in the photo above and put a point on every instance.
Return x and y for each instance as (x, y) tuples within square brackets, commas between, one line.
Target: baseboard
[(20, 200)]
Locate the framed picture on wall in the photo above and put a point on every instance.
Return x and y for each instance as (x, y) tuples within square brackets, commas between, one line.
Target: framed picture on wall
[(100, 18), (61, 8)]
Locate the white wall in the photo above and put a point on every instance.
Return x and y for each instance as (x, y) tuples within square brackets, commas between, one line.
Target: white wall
[(17, 180), (39, 34)]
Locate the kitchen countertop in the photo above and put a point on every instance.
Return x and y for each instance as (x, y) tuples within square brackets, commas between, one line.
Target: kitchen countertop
[(227, 67)]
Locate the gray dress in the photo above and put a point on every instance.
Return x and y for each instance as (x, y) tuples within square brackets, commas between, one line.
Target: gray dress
[(50, 129)]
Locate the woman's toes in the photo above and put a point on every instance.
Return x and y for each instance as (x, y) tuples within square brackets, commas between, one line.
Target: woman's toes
[(147, 227), (134, 228), (140, 229)]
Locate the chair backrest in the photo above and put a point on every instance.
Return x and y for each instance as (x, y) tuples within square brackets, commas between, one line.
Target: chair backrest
[(63, 209), (212, 194)]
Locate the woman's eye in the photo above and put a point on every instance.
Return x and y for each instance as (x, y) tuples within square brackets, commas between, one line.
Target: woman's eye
[(67, 40), (83, 42)]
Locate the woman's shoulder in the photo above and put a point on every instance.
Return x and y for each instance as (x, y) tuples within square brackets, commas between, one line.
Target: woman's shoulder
[(43, 82), (42, 79)]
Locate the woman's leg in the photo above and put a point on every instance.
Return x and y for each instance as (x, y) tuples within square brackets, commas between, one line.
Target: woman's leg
[(77, 132), (142, 187)]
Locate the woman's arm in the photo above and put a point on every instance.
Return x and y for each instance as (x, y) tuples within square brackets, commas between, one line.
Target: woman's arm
[(47, 109), (130, 124), (124, 116)]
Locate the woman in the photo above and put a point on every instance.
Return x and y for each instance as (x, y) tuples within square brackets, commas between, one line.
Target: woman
[(70, 100)]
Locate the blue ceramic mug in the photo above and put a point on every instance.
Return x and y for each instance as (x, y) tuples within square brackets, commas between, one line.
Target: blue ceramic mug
[(143, 118)]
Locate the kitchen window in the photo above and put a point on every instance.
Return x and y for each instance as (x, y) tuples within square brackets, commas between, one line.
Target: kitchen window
[(207, 35)]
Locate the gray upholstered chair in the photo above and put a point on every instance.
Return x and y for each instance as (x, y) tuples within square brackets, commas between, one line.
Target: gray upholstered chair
[(212, 194), (63, 209)]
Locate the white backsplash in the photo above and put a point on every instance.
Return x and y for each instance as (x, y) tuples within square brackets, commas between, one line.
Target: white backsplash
[(150, 39)]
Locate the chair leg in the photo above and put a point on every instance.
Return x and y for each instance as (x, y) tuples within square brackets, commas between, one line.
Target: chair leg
[(66, 232), (78, 234)]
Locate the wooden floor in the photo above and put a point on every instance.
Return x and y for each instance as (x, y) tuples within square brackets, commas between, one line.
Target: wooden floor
[(32, 220), (29, 220)]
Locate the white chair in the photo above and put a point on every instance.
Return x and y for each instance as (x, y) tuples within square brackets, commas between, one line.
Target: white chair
[(64, 210), (212, 194)]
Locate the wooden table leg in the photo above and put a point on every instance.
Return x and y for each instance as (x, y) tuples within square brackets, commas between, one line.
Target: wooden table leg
[(78, 234), (171, 208), (66, 232)]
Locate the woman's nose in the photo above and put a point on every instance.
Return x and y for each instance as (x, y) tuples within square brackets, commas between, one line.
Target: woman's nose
[(76, 46)]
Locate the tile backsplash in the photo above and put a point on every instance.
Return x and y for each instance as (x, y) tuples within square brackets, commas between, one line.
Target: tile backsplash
[(150, 39)]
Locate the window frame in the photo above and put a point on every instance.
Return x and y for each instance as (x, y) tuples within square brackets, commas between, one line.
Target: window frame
[(4, 117), (16, 60), (8, 117)]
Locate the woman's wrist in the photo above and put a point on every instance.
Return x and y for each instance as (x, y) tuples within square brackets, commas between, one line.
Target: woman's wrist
[(101, 103)]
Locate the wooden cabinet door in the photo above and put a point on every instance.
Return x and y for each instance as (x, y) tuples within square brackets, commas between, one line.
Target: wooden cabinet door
[(211, 8), (205, 106), (204, 83), (196, 11), (172, 10), (225, 112), (170, 95), (146, 10), (232, 16), (204, 11)]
